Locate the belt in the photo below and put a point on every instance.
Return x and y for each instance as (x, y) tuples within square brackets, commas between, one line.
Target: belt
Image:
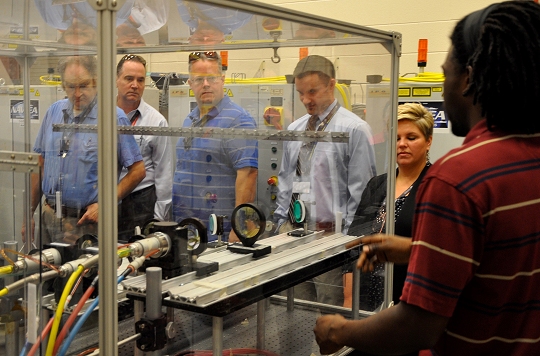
[(328, 226), (68, 212), (325, 225), (141, 191)]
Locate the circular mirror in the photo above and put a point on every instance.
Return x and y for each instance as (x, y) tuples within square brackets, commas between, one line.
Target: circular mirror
[(299, 211), (197, 237), (248, 222)]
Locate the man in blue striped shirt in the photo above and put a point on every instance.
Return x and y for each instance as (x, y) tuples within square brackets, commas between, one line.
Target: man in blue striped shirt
[(213, 175)]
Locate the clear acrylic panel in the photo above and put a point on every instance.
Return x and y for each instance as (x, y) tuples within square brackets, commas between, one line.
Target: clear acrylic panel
[(212, 294)]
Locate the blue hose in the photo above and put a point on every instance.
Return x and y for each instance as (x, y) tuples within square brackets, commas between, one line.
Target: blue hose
[(80, 322), (23, 351)]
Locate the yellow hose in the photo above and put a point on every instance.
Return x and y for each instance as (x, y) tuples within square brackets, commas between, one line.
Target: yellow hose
[(124, 252), (422, 78), (60, 308), (280, 79), (346, 104), (50, 79), (6, 269)]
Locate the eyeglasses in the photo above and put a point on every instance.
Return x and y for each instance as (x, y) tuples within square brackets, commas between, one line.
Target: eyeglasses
[(132, 57), (210, 80), (82, 86), (195, 56)]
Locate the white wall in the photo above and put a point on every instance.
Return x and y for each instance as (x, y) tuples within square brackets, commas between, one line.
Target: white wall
[(431, 19), (414, 19)]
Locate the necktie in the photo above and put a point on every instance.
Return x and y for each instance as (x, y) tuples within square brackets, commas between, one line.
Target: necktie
[(306, 148), (312, 123)]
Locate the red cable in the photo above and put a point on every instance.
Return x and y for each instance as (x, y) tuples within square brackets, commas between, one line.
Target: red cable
[(72, 318), (41, 337)]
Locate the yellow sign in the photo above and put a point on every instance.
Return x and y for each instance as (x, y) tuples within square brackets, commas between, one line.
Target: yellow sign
[(437, 89), (421, 91), (404, 92)]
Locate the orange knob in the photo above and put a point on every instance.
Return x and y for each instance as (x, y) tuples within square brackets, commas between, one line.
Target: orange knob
[(272, 181)]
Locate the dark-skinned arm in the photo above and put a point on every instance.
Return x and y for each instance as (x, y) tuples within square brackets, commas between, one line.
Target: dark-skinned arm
[(397, 330)]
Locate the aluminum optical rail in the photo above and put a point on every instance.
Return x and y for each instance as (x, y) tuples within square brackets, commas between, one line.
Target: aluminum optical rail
[(218, 133), (221, 285), (228, 260), (242, 280), (225, 259)]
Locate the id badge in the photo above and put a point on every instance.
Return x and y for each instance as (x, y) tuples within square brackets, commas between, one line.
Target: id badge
[(301, 187)]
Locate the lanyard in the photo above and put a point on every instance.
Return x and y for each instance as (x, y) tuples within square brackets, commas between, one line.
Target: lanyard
[(66, 137), (135, 117), (311, 145)]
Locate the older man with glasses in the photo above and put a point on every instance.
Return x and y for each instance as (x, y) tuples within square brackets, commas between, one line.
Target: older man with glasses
[(69, 175), (151, 199), (213, 175)]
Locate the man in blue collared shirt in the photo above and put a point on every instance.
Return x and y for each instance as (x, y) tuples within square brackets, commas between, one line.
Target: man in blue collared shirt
[(69, 170), (328, 176), (213, 175)]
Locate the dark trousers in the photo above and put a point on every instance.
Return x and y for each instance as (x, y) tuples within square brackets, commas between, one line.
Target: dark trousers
[(136, 209)]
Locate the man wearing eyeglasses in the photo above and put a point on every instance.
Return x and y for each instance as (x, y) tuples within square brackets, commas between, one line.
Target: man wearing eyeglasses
[(151, 199), (69, 170), (331, 174), (213, 175)]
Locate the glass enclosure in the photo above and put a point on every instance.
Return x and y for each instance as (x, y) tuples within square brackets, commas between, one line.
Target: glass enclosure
[(205, 159)]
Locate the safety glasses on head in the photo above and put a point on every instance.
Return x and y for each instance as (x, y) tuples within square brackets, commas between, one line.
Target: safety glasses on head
[(132, 57), (195, 56)]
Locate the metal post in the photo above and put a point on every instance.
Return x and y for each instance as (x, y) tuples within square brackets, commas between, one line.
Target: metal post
[(395, 52), (12, 337), (27, 196), (217, 335), (290, 299), (107, 175), (138, 312), (261, 320), (11, 325), (153, 298), (356, 294), (11, 245), (153, 293)]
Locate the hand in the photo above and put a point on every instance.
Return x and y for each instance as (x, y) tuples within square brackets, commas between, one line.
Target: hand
[(233, 237), (90, 216), (326, 326), (380, 248), (273, 118)]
